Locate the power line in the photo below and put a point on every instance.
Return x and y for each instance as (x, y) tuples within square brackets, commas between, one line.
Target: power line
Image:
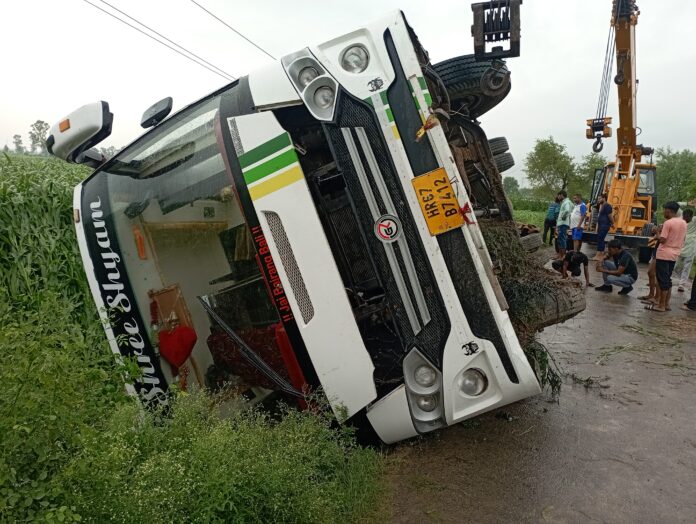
[(167, 39), (226, 76), (233, 29)]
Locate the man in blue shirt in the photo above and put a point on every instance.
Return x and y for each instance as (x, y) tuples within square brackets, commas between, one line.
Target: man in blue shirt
[(550, 220), (605, 219)]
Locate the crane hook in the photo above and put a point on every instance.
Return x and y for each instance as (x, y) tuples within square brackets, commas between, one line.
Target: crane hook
[(598, 145)]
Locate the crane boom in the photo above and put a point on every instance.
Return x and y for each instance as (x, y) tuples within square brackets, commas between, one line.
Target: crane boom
[(624, 21), (629, 183)]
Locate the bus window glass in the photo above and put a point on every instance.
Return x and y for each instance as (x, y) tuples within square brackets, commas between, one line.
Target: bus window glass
[(183, 236)]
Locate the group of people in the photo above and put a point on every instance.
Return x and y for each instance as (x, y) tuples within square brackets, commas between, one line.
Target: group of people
[(562, 216), (673, 254), (673, 250)]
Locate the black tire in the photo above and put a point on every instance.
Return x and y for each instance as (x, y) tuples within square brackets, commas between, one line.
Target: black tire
[(498, 145), (475, 86), (531, 242), (504, 161)]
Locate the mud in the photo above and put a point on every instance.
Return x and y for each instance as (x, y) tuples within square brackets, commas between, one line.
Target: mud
[(618, 446)]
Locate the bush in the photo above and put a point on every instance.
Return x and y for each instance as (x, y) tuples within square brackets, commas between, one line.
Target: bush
[(58, 376), (58, 381), (193, 465)]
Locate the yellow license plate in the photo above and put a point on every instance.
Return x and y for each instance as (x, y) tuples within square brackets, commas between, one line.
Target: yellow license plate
[(438, 201)]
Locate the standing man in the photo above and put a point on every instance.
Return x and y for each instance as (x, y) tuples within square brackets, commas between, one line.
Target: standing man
[(550, 220), (605, 220), (671, 239), (619, 269), (682, 268), (577, 220), (563, 223)]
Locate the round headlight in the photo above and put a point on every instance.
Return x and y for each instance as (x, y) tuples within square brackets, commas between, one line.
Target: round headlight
[(324, 97), (355, 59), (473, 382), (425, 376), (427, 402), (306, 75)]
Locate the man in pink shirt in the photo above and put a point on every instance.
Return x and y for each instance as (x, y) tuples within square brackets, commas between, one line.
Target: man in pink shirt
[(672, 239)]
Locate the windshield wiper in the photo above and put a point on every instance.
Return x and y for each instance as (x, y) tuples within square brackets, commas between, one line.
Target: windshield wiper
[(250, 355)]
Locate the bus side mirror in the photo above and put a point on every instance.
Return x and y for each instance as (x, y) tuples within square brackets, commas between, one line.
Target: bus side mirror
[(156, 113), (73, 137)]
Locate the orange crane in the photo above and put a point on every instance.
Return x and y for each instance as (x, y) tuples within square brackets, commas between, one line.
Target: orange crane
[(628, 181)]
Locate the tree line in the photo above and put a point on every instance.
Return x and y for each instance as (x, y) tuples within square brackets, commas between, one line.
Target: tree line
[(38, 133), (550, 168)]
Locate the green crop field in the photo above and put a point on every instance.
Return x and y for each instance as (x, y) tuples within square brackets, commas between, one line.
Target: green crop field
[(530, 217), (74, 447)]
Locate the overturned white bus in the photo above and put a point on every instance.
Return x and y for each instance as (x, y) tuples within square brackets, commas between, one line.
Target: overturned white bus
[(304, 227)]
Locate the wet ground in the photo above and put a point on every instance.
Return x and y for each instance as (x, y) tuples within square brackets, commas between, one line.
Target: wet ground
[(618, 446)]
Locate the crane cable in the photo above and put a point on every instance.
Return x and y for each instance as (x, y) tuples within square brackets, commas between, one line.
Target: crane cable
[(610, 52), (202, 63)]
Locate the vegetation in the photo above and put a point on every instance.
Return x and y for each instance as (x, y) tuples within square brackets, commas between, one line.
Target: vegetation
[(511, 186), (525, 216), (550, 168), (676, 175), (74, 447)]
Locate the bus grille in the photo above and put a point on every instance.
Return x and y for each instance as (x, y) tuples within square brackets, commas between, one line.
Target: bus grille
[(287, 258), (355, 118)]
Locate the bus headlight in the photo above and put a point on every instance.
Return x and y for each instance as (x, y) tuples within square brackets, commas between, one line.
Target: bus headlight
[(306, 75), (425, 376), (473, 382), (355, 59), (427, 402), (424, 392), (324, 97)]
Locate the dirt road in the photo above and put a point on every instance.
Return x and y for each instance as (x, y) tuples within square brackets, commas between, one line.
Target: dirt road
[(619, 445)]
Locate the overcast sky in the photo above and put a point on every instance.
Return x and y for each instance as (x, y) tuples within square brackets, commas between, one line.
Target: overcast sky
[(58, 55)]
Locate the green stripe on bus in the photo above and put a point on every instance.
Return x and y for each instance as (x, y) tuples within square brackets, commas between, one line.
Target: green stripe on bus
[(369, 101), (390, 115), (266, 149), (415, 100), (422, 83), (383, 96), (274, 164), (428, 98)]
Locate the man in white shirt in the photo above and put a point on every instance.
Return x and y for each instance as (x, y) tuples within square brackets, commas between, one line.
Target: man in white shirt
[(682, 269), (577, 221), (563, 223)]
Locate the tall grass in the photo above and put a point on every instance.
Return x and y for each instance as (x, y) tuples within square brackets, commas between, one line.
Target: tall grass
[(74, 447)]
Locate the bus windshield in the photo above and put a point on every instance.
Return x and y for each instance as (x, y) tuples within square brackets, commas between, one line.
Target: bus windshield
[(171, 207)]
